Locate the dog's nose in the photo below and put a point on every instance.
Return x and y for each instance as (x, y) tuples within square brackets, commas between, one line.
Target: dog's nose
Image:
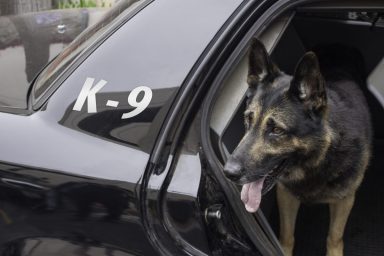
[(232, 170)]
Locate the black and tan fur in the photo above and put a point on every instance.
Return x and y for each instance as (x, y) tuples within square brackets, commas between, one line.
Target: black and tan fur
[(310, 133)]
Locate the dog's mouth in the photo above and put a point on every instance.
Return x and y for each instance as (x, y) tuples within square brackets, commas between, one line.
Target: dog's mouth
[(252, 192)]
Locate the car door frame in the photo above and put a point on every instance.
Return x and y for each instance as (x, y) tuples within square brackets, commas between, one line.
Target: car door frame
[(220, 55)]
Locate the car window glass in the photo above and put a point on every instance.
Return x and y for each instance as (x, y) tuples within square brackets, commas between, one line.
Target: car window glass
[(79, 45), (31, 34)]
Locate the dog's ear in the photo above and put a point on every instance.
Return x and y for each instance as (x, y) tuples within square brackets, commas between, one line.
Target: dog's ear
[(308, 84), (261, 68)]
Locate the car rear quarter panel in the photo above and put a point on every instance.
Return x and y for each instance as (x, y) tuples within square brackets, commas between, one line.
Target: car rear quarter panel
[(69, 180)]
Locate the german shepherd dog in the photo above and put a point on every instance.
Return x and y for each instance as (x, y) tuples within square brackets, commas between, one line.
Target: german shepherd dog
[(309, 134)]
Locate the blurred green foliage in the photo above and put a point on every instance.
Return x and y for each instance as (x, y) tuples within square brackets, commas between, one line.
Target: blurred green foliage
[(64, 4)]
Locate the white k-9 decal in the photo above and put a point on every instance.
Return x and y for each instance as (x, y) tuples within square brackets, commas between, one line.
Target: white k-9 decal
[(88, 93)]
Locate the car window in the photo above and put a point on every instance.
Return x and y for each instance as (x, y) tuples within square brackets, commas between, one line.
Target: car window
[(79, 45), (31, 35)]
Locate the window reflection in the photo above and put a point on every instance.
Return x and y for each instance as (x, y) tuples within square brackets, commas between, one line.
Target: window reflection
[(31, 34)]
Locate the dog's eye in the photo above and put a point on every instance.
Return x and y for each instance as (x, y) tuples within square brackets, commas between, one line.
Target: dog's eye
[(277, 131)]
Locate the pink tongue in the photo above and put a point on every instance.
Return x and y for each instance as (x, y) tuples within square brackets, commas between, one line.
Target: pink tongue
[(251, 195)]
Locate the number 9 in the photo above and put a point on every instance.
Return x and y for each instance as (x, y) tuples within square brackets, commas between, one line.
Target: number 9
[(141, 105)]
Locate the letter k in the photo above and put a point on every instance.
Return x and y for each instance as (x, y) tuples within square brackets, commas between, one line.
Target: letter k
[(89, 93)]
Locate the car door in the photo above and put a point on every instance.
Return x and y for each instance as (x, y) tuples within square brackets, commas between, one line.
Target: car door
[(188, 134)]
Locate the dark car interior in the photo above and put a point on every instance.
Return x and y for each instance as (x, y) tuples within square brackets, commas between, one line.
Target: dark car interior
[(307, 28)]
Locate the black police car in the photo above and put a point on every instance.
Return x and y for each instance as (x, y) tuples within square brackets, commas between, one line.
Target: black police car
[(117, 146)]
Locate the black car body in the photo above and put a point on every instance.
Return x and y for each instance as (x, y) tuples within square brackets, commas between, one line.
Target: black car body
[(85, 181)]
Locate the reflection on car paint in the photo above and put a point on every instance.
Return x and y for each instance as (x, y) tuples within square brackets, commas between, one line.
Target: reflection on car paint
[(37, 246), (82, 211), (139, 131)]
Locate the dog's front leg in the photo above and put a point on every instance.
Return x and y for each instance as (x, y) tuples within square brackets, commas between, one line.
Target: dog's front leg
[(288, 207), (339, 212)]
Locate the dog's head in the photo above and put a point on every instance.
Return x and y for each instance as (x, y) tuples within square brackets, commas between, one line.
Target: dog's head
[(285, 124)]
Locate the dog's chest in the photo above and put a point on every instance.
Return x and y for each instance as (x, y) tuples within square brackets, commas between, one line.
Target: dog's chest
[(319, 188)]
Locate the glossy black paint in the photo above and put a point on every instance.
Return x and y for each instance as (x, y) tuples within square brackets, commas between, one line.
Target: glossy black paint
[(71, 181), (90, 212)]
